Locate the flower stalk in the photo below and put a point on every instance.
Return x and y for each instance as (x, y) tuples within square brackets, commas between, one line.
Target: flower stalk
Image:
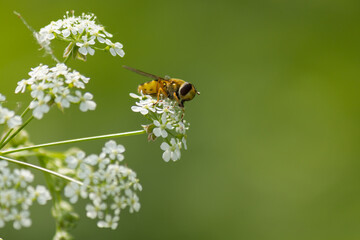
[(41, 169), (77, 140)]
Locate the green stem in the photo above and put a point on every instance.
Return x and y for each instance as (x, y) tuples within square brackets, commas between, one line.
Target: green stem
[(24, 112), (7, 134), (115, 135), (49, 182), (16, 132), (41, 169), (12, 129)]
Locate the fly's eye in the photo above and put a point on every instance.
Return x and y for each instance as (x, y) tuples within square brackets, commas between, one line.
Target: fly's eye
[(185, 89)]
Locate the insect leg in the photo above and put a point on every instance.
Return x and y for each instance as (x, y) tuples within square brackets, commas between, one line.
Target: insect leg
[(160, 91), (178, 101)]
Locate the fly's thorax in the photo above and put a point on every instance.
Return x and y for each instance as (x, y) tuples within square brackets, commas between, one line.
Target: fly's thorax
[(172, 87)]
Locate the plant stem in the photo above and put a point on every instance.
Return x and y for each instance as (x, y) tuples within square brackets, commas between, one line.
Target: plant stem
[(12, 129), (16, 132), (115, 135), (4, 138), (24, 112), (67, 58), (41, 169)]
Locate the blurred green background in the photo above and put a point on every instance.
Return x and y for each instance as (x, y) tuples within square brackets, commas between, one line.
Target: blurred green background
[(273, 149)]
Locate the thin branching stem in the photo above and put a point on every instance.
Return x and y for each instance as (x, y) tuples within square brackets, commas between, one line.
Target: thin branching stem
[(41, 169), (17, 131), (12, 129), (115, 135)]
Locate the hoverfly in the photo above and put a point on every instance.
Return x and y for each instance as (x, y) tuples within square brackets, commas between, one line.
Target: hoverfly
[(172, 88)]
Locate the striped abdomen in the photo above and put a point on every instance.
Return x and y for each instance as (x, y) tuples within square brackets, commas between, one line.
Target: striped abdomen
[(149, 88)]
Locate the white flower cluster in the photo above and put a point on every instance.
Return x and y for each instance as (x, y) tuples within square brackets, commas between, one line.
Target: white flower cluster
[(82, 31), (57, 85), (167, 122), (17, 196), (109, 185), (7, 116)]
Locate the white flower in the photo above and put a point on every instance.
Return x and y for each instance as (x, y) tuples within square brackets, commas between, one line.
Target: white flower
[(40, 193), (96, 33), (39, 72), (21, 219), (40, 106), (72, 191), (38, 89), (4, 214), (65, 98), (60, 69), (17, 196), (23, 84), (77, 76), (54, 85), (171, 151), (73, 161), (114, 150), (9, 116), (181, 128), (142, 110), (119, 203), (101, 161), (145, 105), (23, 176), (167, 122), (75, 79), (96, 210), (5, 115), (109, 222), (9, 198), (115, 48), (86, 173), (109, 186), (133, 201), (81, 29), (85, 101), (160, 129), (85, 45)]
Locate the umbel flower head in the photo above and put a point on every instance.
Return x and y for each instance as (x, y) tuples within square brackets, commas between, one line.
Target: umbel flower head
[(84, 34), (17, 196), (57, 85), (109, 185), (166, 122)]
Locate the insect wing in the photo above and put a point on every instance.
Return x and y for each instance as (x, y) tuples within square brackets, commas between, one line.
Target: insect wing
[(149, 75)]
